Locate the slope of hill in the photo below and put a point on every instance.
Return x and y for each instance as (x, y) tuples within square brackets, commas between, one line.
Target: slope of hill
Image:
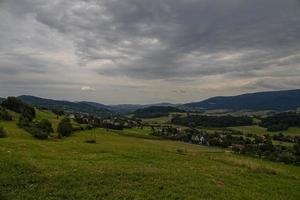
[(278, 100), (65, 105), (1, 99), (121, 167)]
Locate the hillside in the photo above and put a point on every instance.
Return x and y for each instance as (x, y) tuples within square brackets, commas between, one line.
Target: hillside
[(121, 167), (278, 100), (65, 105)]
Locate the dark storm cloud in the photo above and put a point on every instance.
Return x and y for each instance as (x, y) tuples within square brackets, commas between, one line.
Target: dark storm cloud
[(169, 40)]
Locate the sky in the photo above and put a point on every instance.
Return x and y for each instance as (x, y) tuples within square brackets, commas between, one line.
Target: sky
[(142, 51)]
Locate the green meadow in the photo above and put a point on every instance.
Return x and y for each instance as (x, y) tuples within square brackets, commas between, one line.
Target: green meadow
[(130, 164)]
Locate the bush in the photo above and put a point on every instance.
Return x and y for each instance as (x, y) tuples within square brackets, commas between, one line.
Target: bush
[(65, 127), (24, 122), (45, 125), (91, 141), (3, 132), (37, 132)]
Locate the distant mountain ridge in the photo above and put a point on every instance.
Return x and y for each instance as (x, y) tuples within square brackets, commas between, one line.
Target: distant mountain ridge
[(276, 100)]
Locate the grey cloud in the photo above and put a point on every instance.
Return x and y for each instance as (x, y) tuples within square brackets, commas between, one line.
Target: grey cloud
[(180, 28)]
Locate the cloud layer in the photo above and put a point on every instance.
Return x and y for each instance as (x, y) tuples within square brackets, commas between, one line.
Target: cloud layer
[(143, 51)]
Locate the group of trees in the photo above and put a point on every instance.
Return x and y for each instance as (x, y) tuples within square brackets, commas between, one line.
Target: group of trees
[(281, 121), (212, 121), (16, 105)]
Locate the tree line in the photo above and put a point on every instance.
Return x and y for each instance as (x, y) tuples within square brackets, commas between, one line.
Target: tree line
[(211, 121)]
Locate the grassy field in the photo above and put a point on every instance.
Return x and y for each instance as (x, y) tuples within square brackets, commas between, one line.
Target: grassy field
[(123, 165)]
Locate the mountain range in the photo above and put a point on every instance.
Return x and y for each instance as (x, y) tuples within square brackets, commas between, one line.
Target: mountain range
[(275, 100)]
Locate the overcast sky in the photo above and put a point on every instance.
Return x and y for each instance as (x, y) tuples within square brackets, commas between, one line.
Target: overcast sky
[(146, 51)]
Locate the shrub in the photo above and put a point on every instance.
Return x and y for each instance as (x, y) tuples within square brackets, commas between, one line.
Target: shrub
[(45, 125), (3, 132), (65, 127)]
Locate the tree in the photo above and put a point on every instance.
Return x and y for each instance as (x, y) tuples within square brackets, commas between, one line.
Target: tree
[(64, 127)]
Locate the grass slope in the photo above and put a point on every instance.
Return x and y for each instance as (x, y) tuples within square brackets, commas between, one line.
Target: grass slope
[(122, 167)]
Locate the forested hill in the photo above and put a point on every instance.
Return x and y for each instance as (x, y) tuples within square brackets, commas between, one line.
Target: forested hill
[(278, 100), (155, 111)]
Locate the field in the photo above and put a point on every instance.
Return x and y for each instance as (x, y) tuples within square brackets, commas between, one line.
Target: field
[(130, 165), (255, 129)]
